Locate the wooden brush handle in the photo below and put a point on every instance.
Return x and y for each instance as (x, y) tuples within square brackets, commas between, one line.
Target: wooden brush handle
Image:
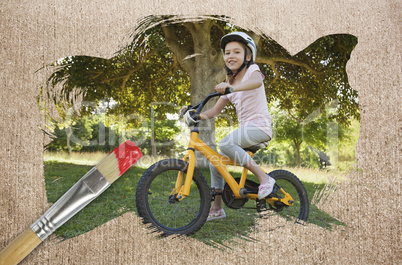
[(19, 248), (83, 192)]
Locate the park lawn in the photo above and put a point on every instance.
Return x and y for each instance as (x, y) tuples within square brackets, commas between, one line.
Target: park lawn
[(119, 198)]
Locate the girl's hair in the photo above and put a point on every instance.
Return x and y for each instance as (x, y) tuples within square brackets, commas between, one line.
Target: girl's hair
[(232, 75)]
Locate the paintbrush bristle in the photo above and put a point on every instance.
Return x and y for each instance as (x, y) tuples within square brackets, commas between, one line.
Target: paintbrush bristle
[(119, 161), (109, 168)]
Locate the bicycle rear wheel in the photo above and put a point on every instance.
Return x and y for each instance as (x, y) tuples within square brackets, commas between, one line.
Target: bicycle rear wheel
[(292, 185), (157, 205)]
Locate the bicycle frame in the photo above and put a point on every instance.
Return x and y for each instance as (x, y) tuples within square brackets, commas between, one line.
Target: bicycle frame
[(174, 197), (220, 162)]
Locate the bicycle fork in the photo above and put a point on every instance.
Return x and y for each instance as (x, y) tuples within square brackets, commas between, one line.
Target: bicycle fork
[(181, 190)]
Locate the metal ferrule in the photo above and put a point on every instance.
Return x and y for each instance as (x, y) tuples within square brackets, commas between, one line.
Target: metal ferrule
[(77, 197)]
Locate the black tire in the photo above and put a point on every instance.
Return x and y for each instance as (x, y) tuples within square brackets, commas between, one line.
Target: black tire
[(172, 216), (291, 184)]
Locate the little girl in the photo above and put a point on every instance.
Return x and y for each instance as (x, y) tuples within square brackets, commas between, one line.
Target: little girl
[(246, 81)]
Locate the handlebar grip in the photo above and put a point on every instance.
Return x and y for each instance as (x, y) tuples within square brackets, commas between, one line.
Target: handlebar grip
[(228, 90), (184, 112)]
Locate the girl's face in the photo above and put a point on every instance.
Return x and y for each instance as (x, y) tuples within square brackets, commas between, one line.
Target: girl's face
[(234, 55)]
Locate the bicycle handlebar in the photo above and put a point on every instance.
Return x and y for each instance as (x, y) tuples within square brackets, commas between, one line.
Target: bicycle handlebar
[(201, 105), (198, 107)]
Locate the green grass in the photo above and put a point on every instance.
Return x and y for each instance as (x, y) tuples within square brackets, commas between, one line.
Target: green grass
[(119, 198)]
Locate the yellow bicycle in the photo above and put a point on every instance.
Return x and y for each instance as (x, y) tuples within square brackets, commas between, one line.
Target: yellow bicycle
[(174, 197)]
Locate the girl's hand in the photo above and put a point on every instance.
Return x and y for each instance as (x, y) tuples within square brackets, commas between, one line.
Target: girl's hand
[(191, 118), (220, 88), (182, 110)]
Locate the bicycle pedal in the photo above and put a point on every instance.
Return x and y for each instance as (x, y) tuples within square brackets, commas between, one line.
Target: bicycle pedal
[(274, 191)]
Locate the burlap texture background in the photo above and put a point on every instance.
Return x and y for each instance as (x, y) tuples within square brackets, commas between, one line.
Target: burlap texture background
[(34, 33)]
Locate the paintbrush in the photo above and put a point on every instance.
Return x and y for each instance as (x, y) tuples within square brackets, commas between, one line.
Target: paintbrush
[(90, 186)]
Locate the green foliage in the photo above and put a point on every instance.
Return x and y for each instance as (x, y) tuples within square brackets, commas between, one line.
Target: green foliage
[(81, 133), (148, 70), (143, 72), (312, 79), (347, 147), (119, 199), (165, 132), (176, 59), (105, 132), (338, 142)]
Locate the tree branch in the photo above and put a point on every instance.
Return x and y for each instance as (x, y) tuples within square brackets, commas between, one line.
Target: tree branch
[(171, 40), (131, 70), (299, 121), (219, 26), (273, 67), (173, 67), (273, 60), (190, 26)]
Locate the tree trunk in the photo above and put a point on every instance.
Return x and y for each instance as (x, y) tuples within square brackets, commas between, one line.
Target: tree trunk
[(297, 146), (153, 141), (204, 64), (69, 132)]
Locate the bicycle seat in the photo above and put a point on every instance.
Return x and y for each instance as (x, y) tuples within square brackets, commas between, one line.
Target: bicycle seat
[(255, 148)]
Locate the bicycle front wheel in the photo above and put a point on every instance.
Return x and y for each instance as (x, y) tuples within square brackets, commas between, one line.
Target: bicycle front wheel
[(157, 204)]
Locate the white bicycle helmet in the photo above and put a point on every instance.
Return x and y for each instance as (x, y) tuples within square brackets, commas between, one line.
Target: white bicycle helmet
[(240, 37)]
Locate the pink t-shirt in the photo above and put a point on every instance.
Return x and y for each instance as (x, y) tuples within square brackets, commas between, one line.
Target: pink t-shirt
[(251, 105)]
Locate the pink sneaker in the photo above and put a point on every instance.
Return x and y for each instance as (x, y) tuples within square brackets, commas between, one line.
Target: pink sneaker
[(219, 214), (266, 189)]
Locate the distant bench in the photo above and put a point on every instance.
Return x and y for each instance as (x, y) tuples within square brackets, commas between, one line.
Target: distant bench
[(324, 159)]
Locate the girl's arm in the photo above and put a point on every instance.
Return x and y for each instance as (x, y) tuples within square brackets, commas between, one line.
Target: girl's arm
[(215, 110), (254, 82)]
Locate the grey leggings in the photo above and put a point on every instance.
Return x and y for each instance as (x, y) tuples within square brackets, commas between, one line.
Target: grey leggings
[(232, 146)]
